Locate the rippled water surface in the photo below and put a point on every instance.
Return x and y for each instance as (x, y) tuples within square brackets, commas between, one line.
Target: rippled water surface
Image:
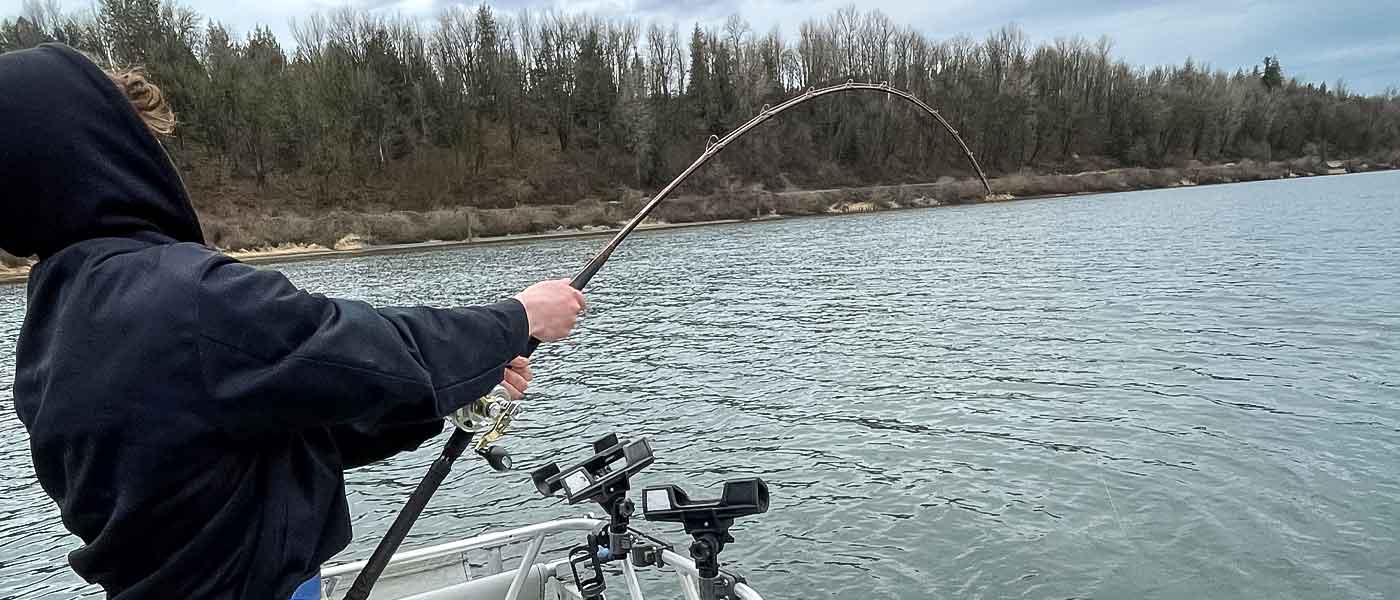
[(1189, 393)]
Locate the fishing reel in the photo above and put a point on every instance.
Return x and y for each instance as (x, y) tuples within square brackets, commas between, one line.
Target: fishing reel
[(488, 419)]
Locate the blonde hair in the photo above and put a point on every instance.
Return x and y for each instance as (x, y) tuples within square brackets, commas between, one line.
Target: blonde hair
[(146, 99)]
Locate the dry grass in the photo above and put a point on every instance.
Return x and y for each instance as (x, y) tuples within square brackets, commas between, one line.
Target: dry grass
[(1122, 180), (246, 229), (242, 228), (10, 261), (742, 204), (402, 227)]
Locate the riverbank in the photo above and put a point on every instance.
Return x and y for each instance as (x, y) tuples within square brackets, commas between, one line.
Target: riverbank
[(303, 253), (259, 222), (289, 238), (13, 274)]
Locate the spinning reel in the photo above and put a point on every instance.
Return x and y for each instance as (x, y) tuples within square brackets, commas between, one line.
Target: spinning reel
[(489, 418)]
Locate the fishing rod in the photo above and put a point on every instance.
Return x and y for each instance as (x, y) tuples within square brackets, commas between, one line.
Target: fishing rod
[(490, 417)]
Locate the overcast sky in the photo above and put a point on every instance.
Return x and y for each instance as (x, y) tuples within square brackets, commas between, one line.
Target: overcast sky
[(1315, 40)]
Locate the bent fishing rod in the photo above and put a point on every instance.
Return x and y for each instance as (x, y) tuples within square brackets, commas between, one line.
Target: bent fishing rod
[(490, 416)]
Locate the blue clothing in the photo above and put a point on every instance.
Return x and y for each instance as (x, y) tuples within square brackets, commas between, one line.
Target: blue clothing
[(310, 590), (192, 416)]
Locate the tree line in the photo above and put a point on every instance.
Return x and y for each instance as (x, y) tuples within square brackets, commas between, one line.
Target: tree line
[(485, 108)]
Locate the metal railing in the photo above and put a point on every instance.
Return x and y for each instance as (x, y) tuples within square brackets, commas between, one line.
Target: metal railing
[(533, 536)]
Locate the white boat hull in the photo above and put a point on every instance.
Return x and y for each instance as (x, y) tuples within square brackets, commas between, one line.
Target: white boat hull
[(475, 569)]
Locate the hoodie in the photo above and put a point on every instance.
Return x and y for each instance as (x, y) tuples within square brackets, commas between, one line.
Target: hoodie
[(192, 416)]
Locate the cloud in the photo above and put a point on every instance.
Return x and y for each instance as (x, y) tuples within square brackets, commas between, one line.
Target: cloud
[(1361, 52), (1350, 39)]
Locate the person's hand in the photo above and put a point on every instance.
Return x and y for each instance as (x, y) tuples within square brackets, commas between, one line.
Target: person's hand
[(517, 377), (552, 308)]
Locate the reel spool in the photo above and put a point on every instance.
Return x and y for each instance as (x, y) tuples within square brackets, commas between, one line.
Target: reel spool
[(488, 419)]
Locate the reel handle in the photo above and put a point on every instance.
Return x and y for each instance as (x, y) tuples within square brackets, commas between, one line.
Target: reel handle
[(488, 418)]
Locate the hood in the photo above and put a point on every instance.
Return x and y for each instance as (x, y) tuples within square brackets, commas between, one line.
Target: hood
[(77, 162)]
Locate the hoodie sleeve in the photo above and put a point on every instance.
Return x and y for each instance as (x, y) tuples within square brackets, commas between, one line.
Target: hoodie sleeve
[(275, 358), (361, 445)]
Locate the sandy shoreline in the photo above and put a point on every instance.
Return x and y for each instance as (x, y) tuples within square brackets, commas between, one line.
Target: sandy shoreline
[(278, 255), (13, 274), (297, 253)]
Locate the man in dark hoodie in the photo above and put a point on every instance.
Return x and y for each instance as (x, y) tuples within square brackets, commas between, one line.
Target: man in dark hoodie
[(192, 416)]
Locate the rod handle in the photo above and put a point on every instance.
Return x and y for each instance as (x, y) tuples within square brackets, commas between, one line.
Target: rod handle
[(365, 581)]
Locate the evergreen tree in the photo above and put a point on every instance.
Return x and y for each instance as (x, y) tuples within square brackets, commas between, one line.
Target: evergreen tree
[(699, 86), (596, 92), (1273, 73), (131, 27)]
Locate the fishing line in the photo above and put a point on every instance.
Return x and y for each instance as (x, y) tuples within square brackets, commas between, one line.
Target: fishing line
[(491, 415)]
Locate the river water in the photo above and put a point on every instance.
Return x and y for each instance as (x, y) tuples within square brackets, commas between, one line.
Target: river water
[(1172, 394)]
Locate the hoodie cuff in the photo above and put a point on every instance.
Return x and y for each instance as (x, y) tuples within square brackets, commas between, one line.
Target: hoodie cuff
[(518, 324), (511, 314)]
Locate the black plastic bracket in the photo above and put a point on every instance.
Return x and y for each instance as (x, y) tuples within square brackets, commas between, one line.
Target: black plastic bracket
[(593, 478), (645, 555), (603, 478), (708, 522), (590, 582)]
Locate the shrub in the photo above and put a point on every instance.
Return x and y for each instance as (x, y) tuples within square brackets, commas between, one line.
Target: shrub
[(588, 212), (1306, 166), (449, 225)]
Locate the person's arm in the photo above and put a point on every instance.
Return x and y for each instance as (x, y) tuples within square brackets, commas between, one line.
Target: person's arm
[(275, 358), (362, 445)]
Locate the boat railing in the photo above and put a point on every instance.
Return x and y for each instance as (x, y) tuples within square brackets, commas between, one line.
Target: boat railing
[(414, 573)]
